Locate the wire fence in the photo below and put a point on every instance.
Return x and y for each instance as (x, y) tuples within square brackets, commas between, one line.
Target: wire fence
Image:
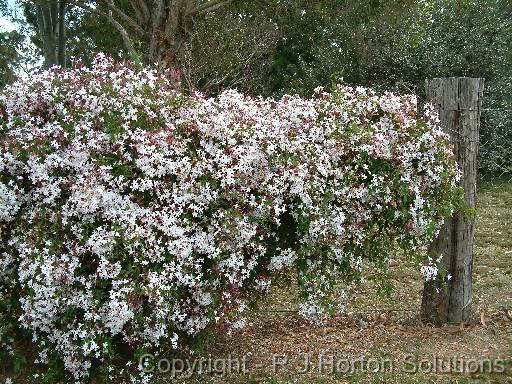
[(495, 147)]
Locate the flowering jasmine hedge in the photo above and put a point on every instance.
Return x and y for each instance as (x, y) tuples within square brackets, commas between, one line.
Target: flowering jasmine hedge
[(135, 217)]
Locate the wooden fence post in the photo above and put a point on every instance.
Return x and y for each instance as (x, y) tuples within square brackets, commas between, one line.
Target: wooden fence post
[(459, 101)]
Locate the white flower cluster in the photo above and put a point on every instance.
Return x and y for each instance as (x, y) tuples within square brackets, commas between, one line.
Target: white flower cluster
[(138, 216), (430, 268)]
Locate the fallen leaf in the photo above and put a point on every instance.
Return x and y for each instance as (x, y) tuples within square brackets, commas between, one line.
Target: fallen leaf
[(482, 318)]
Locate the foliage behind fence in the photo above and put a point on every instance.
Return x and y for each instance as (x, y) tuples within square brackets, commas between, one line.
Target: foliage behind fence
[(496, 144)]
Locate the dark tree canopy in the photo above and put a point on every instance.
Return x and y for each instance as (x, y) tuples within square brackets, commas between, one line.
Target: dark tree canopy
[(10, 56)]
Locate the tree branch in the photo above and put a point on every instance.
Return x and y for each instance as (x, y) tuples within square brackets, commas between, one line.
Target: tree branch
[(145, 9), (124, 34), (208, 6), (156, 18), (138, 12), (108, 15), (141, 10), (124, 17)]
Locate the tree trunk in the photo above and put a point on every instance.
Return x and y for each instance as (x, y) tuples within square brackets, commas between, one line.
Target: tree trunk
[(61, 55), (52, 31), (459, 101), (168, 39)]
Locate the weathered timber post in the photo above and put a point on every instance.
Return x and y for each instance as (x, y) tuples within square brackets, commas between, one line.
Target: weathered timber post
[(459, 101)]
